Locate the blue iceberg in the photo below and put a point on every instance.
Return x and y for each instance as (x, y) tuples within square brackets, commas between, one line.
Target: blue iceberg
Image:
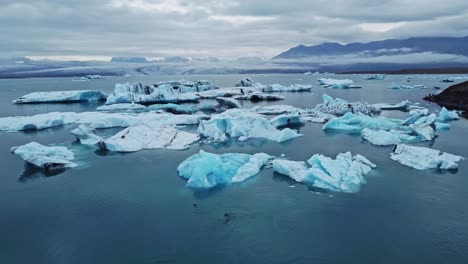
[(356, 123)]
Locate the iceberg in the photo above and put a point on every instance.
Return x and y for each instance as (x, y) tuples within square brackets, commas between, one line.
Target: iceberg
[(93, 77), (387, 138), (259, 96), (292, 88), (86, 135), (124, 107), (36, 122), (343, 174), (149, 136), (356, 123), (228, 92), (207, 170), (337, 84), (403, 106), (247, 82), (375, 77), (287, 120), (422, 158), (274, 109), (185, 86), (446, 115), (339, 107), (61, 97), (242, 124), (172, 108), (137, 93), (49, 158), (406, 87), (228, 102)]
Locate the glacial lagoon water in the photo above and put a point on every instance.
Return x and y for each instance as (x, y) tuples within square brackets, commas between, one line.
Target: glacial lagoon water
[(134, 208)]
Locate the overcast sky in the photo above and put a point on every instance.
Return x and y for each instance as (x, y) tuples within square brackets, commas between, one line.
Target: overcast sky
[(221, 28)]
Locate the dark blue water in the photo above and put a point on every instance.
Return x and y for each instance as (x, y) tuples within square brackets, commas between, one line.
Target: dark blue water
[(133, 208)]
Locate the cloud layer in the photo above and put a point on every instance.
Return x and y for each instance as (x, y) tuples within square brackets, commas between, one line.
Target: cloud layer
[(226, 28)]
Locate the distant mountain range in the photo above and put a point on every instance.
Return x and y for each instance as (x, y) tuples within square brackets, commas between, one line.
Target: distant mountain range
[(446, 45)]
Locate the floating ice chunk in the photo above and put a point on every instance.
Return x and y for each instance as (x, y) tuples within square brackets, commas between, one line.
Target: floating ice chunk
[(242, 123), (228, 102), (403, 106), (207, 170), (387, 138), (340, 107), (93, 77), (446, 115), (375, 77), (185, 86), (259, 96), (172, 108), (345, 173), (337, 84), (399, 87), (287, 120), (442, 126), (275, 109), (49, 158), (150, 136), (356, 123), (124, 107), (247, 82), (128, 93), (422, 158), (36, 122), (292, 88), (86, 135), (61, 97)]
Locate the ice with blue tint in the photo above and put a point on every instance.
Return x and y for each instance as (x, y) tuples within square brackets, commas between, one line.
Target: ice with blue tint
[(343, 174), (406, 87), (446, 115), (50, 158), (422, 158), (403, 106), (123, 107), (356, 123), (139, 93), (172, 108), (287, 120), (340, 107), (61, 97), (442, 126), (292, 88), (386, 138), (86, 135), (207, 170), (337, 84), (375, 77), (242, 124), (184, 86), (228, 102)]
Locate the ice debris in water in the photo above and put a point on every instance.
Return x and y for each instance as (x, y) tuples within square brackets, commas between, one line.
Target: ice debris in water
[(405, 87), (356, 123), (123, 107), (337, 84), (242, 124), (139, 93), (207, 170), (149, 136), (49, 158), (446, 115), (61, 97), (422, 158), (340, 107), (343, 174)]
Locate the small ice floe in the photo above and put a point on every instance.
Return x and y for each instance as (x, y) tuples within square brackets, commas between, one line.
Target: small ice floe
[(86, 135), (446, 115), (144, 94), (93, 77), (124, 107), (185, 86), (228, 102), (356, 123), (287, 120), (247, 82), (49, 158), (61, 97), (343, 174), (242, 124), (339, 107), (403, 106), (172, 108), (422, 158), (406, 87), (259, 96), (206, 170), (292, 88), (149, 136), (337, 84), (375, 77)]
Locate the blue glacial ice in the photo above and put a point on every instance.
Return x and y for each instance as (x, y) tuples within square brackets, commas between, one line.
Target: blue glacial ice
[(446, 115), (356, 123), (343, 174), (242, 124), (185, 86), (207, 170), (422, 158), (49, 158), (122, 108), (337, 84), (172, 108), (61, 97), (86, 135), (228, 102), (339, 107), (287, 120)]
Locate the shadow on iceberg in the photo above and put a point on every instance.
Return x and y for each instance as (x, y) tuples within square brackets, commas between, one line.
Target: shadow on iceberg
[(32, 172)]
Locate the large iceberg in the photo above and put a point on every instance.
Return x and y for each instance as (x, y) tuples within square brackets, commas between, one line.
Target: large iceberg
[(422, 158), (185, 86), (49, 158), (337, 84), (292, 88), (149, 136), (61, 97), (387, 138), (86, 134), (343, 174), (144, 94), (306, 115), (242, 124), (339, 107), (207, 170), (356, 123)]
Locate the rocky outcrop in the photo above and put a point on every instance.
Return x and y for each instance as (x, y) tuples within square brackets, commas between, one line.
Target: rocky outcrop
[(454, 97)]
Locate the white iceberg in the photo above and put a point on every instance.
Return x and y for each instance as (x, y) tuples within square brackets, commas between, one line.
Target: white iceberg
[(422, 158), (343, 174), (228, 102), (86, 135), (356, 123), (123, 107), (172, 108), (387, 138), (61, 97), (337, 84), (403, 106), (36, 122), (185, 86), (228, 92), (292, 88), (207, 170), (49, 158), (275, 109), (138, 93), (242, 124), (446, 115), (149, 136), (406, 87), (247, 82), (339, 107)]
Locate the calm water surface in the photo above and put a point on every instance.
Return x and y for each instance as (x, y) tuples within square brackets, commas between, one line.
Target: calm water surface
[(134, 208)]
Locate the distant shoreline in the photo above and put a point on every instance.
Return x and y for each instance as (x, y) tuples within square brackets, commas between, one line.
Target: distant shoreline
[(415, 71)]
